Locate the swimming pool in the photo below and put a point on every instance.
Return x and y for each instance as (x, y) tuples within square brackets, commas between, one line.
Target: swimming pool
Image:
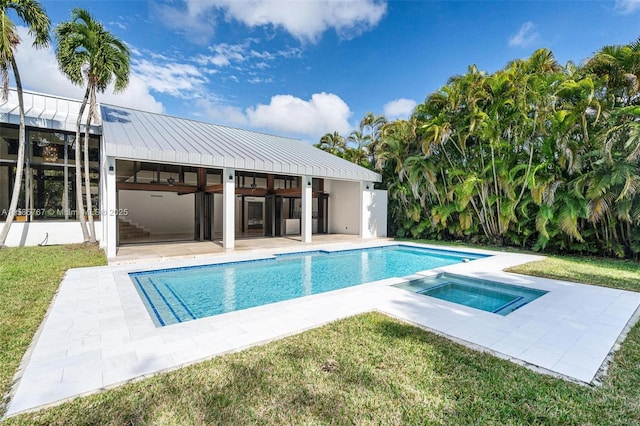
[(489, 296), (175, 295)]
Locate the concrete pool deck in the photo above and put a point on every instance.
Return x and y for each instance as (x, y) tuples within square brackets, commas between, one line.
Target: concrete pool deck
[(97, 333)]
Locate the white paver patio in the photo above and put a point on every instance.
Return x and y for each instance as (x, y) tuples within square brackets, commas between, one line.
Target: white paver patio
[(98, 334)]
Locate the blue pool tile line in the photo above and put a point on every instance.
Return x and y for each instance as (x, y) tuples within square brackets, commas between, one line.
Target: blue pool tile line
[(209, 265), (149, 302), (394, 246), (301, 253), (474, 256), (186, 308), (164, 299)]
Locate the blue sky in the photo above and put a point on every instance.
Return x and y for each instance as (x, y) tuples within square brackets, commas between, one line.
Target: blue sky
[(305, 68)]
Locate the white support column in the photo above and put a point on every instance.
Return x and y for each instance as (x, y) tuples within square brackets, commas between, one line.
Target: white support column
[(306, 225), (361, 211), (110, 209), (365, 215), (228, 208)]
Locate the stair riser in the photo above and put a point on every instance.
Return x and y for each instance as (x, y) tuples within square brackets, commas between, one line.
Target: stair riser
[(128, 231)]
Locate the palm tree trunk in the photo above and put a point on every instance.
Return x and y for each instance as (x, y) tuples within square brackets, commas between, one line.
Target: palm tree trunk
[(495, 184), (87, 179), (22, 143), (79, 203), (530, 163)]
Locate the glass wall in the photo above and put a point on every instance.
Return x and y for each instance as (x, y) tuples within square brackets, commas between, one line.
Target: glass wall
[(48, 184), (251, 180), (161, 174), (285, 182)]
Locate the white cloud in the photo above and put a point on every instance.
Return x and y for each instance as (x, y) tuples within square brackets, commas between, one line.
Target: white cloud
[(399, 108), (241, 58), (627, 7), (306, 20), (179, 80), (194, 19), (217, 113), (118, 24), (286, 114), (39, 72), (226, 55), (324, 112), (526, 35), (258, 80), (223, 54)]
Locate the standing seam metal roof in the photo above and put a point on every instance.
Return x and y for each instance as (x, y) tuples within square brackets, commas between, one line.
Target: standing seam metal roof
[(145, 136), (44, 111)]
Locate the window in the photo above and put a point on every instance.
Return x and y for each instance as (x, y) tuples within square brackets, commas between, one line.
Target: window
[(46, 147), (48, 185), (284, 182), (251, 180), (162, 174), (8, 159)]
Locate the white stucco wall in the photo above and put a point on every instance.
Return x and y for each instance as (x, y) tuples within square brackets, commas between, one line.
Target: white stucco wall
[(159, 212), (34, 233), (374, 213), (344, 206)]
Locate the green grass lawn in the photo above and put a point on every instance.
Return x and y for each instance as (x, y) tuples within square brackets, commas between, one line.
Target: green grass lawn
[(29, 277), (371, 369), (624, 274)]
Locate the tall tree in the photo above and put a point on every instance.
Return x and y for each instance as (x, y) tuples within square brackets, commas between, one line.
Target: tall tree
[(358, 152), (34, 16), (619, 66), (333, 143), (87, 53), (372, 126)]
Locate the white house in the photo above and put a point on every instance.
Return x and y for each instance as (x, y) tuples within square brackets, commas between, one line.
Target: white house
[(161, 178)]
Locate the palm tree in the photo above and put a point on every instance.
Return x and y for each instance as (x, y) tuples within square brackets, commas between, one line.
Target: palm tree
[(372, 125), (358, 153), (31, 13), (333, 143), (620, 67), (87, 51)]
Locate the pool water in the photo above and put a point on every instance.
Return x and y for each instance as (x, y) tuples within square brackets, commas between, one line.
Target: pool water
[(182, 294), (490, 296)]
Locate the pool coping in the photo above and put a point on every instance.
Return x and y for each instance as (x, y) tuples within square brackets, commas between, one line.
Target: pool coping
[(97, 333)]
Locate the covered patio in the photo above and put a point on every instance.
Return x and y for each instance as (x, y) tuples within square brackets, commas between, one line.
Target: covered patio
[(173, 179)]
